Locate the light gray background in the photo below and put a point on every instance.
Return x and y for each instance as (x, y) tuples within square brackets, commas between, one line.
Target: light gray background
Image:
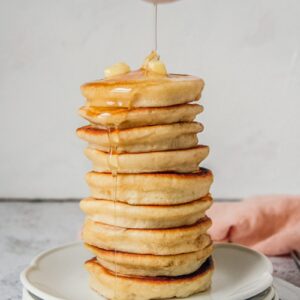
[(247, 52)]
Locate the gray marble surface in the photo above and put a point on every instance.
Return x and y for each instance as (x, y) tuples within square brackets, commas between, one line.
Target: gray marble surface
[(27, 228)]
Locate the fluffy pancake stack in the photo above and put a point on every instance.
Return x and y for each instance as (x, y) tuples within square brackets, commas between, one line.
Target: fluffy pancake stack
[(145, 219)]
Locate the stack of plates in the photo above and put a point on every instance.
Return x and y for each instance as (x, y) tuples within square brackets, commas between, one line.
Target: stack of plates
[(240, 274)]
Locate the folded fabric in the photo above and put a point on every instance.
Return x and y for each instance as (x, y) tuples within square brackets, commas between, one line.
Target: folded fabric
[(270, 224)]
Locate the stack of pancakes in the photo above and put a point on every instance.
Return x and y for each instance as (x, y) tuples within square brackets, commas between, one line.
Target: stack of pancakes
[(145, 219)]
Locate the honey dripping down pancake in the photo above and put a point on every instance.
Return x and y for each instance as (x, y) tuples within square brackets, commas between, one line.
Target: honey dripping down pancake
[(145, 219), (182, 161), (113, 166), (148, 86), (143, 139), (124, 118), (143, 89)]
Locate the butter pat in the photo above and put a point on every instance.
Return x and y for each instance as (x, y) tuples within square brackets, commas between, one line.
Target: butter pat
[(157, 66), (116, 69), (152, 63)]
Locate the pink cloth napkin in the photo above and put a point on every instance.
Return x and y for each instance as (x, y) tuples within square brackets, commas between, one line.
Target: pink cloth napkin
[(270, 224)]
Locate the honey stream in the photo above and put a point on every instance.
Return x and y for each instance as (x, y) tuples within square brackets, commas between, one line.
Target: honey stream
[(114, 142), (113, 166), (155, 26)]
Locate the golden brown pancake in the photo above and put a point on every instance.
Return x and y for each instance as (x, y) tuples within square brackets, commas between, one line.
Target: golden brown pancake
[(143, 89), (142, 139), (145, 216), (122, 118), (151, 188), (144, 288), (151, 265), (167, 241), (181, 161)]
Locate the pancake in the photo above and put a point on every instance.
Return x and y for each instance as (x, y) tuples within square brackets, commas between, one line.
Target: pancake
[(143, 139), (151, 189), (145, 216), (110, 117), (143, 89), (151, 265), (181, 161), (165, 241), (143, 288)]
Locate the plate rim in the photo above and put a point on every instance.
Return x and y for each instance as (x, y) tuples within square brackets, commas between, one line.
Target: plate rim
[(247, 249), (34, 263)]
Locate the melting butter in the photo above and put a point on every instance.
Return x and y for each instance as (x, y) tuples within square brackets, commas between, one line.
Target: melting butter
[(157, 66), (116, 69), (153, 63)]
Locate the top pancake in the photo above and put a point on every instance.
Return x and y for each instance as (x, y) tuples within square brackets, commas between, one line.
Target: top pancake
[(142, 88)]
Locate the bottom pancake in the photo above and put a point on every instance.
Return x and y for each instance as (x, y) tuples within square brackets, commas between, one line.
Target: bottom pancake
[(151, 265), (122, 287)]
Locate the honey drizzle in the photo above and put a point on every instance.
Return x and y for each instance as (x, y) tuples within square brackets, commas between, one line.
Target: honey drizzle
[(113, 162), (115, 177), (113, 166), (98, 111), (155, 25)]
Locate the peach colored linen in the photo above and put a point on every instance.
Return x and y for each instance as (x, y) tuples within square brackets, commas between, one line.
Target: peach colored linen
[(270, 224)]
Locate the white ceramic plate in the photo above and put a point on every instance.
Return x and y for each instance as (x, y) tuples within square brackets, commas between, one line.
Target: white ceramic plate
[(268, 294), (27, 296), (58, 274)]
